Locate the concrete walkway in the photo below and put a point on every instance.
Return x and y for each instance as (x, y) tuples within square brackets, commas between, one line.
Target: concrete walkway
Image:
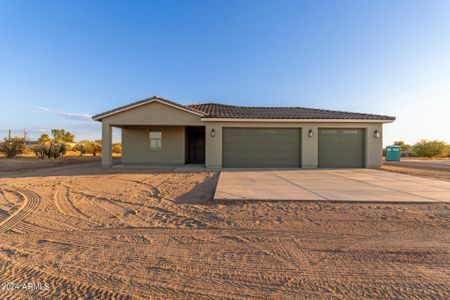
[(332, 185)]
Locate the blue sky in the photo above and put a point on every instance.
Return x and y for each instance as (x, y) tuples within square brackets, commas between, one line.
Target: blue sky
[(62, 61)]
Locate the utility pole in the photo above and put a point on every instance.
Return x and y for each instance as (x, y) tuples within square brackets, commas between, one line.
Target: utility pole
[(25, 134), (9, 134)]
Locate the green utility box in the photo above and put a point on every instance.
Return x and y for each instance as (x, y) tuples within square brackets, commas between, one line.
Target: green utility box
[(392, 153)]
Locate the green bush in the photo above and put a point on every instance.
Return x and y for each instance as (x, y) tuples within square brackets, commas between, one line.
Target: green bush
[(425, 148), (12, 146), (79, 147), (50, 150), (89, 147), (403, 146), (40, 151), (116, 148)]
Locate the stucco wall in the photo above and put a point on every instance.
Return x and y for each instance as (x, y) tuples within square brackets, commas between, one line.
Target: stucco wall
[(136, 145), (373, 146)]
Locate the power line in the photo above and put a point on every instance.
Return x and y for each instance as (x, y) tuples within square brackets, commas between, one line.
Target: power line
[(404, 89), (418, 99)]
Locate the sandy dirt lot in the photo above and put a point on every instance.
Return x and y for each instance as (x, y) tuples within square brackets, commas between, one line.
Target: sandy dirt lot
[(87, 232), (29, 163), (440, 172), (429, 164)]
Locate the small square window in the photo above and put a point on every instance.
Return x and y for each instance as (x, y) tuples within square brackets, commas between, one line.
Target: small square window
[(155, 140)]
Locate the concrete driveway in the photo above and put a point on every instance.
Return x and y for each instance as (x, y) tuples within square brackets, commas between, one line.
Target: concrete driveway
[(332, 185)]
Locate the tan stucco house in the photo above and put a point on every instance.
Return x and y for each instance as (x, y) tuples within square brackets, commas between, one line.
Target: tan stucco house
[(157, 131)]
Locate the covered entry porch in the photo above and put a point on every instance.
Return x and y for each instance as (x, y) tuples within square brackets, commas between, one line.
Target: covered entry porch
[(168, 145)]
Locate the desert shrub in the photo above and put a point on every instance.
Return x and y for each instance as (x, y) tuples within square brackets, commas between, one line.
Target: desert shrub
[(116, 148), (50, 150), (57, 150), (12, 146), (404, 147), (425, 148), (40, 151), (88, 147), (94, 147), (69, 146), (79, 147)]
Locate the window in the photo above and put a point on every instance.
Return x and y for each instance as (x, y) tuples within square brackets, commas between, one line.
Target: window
[(348, 131), (329, 131), (155, 140)]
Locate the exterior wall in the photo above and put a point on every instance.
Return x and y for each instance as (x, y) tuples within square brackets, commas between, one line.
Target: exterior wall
[(136, 145), (310, 153)]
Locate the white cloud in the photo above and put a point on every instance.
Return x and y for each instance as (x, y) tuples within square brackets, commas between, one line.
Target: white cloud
[(66, 115), (75, 116), (42, 108)]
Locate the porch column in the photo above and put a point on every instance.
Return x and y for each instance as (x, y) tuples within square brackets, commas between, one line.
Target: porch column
[(106, 144)]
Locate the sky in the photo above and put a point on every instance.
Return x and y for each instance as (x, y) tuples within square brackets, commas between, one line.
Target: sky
[(63, 61)]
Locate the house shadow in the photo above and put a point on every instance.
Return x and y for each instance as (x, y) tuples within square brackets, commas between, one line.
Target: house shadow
[(90, 168), (202, 193)]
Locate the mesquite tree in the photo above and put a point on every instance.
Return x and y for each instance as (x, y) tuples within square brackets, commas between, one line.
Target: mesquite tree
[(12, 146)]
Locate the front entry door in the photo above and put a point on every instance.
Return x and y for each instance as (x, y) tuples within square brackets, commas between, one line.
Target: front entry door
[(196, 145)]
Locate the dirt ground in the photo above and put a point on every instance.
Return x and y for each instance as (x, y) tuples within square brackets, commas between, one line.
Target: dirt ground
[(419, 171), (31, 162), (86, 232)]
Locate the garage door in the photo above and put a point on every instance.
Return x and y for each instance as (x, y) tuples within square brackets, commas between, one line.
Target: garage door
[(341, 148), (261, 147)]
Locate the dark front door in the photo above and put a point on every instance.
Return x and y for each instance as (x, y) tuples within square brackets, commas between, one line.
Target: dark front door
[(196, 145)]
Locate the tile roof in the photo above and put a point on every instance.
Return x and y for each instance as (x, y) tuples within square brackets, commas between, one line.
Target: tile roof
[(213, 110), (222, 111)]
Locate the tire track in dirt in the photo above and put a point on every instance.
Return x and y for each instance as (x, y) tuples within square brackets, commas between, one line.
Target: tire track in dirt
[(162, 211), (31, 201), (27, 227), (163, 206), (65, 206), (112, 207)]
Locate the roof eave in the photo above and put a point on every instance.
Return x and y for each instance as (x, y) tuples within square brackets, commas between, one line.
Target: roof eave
[(298, 120)]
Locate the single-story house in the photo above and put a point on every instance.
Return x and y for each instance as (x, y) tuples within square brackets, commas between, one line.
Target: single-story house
[(157, 131)]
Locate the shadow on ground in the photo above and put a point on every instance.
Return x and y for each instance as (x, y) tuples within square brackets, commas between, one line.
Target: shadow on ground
[(202, 193)]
